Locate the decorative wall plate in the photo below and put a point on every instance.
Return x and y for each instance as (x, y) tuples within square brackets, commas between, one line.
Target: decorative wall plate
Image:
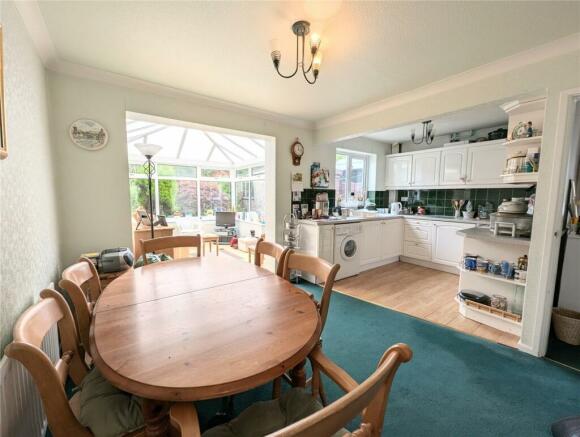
[(520, 130), (88, 134)]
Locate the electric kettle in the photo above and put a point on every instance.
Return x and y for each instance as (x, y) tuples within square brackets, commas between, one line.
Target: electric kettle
[(396, 208)]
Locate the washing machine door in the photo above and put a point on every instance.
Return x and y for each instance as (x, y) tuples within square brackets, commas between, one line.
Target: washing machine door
[(348, 248)]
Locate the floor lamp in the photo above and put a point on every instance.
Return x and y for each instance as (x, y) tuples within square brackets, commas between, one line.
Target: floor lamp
[(148, 151)]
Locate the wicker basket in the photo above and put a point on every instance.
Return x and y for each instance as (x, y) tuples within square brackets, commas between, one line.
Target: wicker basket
[(567, 325)]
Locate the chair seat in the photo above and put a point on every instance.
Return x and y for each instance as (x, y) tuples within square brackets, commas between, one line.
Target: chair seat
[(266, 417), (104, 409)]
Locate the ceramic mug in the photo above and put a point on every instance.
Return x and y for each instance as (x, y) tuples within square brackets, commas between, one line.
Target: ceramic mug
[(494, 268), (507, 269), (470, 262), (520, 275)]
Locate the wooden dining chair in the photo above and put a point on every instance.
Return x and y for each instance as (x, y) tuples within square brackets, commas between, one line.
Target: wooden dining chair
[(161, 243), (297, 414), (82, 284), (105, 409), (323, 272), (274, 250), (321, 269)]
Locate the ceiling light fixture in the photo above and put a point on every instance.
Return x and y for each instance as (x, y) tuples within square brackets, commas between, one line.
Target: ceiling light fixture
[(428, 133), (301, 29)]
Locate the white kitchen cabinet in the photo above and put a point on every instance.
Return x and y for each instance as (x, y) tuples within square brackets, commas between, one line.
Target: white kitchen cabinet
[(447, 245), (415, 250), (398, 170), (420, 231), (486, 163), (453, 166), (425, 169), (371, 242), (391, 238)]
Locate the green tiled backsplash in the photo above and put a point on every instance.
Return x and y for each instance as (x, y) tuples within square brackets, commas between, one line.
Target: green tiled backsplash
[(309, 196), (438, 202), (380, 198)]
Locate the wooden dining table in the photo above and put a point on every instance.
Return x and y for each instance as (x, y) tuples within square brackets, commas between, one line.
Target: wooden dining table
[(200, 328)]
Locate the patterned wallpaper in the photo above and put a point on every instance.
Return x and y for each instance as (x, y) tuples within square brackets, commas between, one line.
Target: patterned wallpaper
[(29, 248)]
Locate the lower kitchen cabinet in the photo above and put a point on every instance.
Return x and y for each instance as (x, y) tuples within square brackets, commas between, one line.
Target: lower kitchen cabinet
[(416, 250), (447, 245), (391, 241), (371, 242), (380, 241), (433, 241)]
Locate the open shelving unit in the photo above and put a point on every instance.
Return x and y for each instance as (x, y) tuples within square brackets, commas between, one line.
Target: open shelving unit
[(524, 141), (518, 112), (520, 178), (502, 320), (493, 277)]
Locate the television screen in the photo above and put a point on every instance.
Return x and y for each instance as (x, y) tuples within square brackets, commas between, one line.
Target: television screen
[(226, 219)]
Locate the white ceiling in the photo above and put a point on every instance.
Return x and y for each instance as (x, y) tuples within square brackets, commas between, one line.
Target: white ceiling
[(372, 50), (482, 116)]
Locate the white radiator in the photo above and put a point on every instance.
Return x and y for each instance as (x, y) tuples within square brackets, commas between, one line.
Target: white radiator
[(21, 413)]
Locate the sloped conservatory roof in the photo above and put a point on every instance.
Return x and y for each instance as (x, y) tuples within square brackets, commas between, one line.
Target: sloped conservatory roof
[(188, 144)]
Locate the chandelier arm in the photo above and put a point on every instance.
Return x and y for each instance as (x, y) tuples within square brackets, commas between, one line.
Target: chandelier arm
[(308, 80), (296, 69)]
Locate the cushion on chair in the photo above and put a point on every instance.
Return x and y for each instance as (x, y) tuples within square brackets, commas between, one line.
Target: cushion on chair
[(106, 410), (151, 259), (266, 417)]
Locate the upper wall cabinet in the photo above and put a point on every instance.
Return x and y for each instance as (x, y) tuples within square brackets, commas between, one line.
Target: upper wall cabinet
[(425, 169), (485, 164), (453, 166), (478, 165), (399, 170)]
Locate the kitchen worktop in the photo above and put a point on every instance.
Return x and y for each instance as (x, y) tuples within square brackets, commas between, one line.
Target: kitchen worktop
[(354, 219), (483, 233)]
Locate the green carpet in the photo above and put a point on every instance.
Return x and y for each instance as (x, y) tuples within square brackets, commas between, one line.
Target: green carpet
[(456, 385)]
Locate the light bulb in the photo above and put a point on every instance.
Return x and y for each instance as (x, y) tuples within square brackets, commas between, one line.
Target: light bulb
[(317, 61), (274, 45), (314, 42)]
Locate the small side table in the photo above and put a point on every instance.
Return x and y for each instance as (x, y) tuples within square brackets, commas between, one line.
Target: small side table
[(210, 239)]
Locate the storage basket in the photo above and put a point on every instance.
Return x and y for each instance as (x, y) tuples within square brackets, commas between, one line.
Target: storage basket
[(567, 325)]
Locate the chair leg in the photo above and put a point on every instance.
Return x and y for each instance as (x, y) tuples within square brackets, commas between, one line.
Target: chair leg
[(322, 393), (277, 388)]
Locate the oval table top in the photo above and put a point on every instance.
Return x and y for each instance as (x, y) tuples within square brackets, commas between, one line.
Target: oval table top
[(200, 328)]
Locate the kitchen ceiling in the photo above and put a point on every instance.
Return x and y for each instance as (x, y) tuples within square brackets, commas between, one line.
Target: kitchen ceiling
[(372, 50)]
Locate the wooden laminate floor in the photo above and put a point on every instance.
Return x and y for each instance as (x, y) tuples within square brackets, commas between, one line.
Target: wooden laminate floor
[(421, 292)]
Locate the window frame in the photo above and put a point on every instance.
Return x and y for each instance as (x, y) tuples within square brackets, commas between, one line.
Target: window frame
[(232, 180), (350, 155)]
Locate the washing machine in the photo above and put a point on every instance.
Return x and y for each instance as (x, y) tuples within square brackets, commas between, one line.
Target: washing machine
[(347, 249)]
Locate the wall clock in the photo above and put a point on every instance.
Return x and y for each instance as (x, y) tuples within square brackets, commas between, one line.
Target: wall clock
[(297, 150), (88, 134)]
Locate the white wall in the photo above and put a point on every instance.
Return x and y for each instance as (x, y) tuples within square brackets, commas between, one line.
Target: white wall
[(29, 241), (93, 186)]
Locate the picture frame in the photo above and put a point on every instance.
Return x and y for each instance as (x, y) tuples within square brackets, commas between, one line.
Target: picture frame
[(396, 148), (319, 177), (3, 144)]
